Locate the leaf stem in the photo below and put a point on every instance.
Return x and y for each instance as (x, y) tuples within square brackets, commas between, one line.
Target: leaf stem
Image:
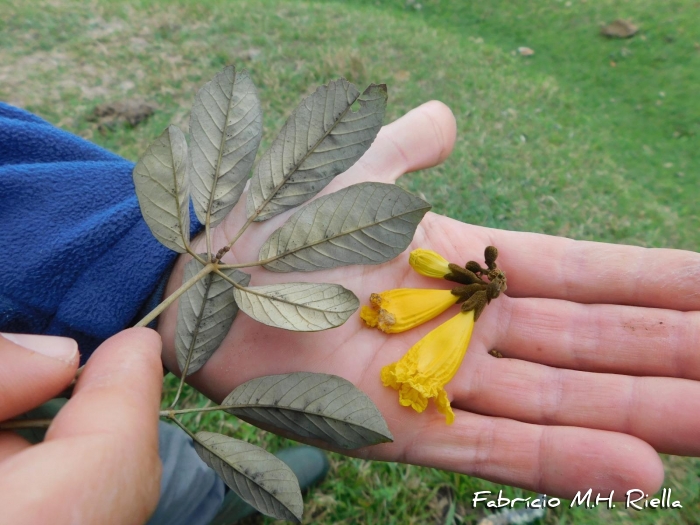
[(25, 423), (196, 255), (242, 265), (207, 233), (166, 413), (227, 278), (170, 414), (15, 424), (177, 293), (182, 377), (242, 230)]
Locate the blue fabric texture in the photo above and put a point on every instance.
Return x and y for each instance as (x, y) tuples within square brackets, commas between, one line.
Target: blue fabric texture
[(77, 258)]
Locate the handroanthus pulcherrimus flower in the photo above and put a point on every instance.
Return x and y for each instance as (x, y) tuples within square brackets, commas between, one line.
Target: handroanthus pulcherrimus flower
[(429, 263), (422, 373), (424, 370), (401, 309)]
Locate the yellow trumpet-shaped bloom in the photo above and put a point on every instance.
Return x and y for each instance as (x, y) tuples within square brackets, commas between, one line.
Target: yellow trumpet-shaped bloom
[(430, 364), (401, 309), (428, 263)]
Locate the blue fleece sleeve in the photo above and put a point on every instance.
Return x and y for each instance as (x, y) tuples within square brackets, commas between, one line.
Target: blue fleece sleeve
[(76, 257)]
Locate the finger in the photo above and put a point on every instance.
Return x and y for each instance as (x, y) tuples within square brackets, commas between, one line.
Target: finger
[(11, 444), (424, 137), (119, 390), (654, 409), (99, 462), (581, 271), (598, 338), (555, 460), (33, 369)]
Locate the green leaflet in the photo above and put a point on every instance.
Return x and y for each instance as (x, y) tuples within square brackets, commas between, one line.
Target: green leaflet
[(257, 476), (368, 223), (205, 314), (225, 130), (322, 138), (302, 307), (319, 406), (163, 191)]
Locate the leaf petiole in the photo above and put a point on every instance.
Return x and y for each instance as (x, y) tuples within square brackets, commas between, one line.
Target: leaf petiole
[(253, 263), (195, 255), (227, 278), (208, 268), (238, 235), (25, 423), (170, 412)]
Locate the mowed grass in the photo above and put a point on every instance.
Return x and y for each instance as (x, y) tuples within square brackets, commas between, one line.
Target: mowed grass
[(598, 137), (589, 138)]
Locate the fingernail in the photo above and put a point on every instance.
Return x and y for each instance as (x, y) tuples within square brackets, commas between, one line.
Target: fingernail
[(61, 348)]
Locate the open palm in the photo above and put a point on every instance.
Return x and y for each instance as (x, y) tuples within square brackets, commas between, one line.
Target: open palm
[(601, 344)]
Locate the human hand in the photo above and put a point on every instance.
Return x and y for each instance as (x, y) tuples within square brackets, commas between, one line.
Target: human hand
[(99, 461), (601, 344)]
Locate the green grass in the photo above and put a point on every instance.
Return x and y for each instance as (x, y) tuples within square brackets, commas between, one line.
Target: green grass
[(561, 142), (630, 131)]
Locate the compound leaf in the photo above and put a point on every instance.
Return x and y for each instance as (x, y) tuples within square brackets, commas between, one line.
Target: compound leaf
[(302, 307), (368, 223), (225, 129), (204, 316), (163, 189), (319, 406), (322, 138), (258, 477)]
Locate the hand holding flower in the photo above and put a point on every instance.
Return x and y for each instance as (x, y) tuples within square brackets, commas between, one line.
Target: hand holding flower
[(601, 362), (434, 360)]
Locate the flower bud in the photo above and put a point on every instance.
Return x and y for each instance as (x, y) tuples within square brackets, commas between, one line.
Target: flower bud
[(428, 263)]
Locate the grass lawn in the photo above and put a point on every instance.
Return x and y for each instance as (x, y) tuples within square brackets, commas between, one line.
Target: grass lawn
[(588, 138)]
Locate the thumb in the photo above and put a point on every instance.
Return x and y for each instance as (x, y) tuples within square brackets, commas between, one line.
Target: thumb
[(33, 369), (99, 462)]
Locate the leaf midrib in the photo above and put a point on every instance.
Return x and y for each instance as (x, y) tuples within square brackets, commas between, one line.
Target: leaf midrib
[(180, 222), (198, 322), (296, 166), (263, 489), (222, 143), (298, 305), (333, 237), (299, 410)]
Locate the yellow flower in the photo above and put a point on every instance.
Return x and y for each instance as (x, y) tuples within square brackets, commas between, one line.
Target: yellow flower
[(401, 309), (428, 263), (430, 364)]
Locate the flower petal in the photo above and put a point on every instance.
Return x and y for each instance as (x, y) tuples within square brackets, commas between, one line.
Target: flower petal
[(398, 310), (428, 263), (430, 364), (370, 316)]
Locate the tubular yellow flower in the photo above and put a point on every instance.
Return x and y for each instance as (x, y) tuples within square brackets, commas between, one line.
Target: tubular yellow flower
[(430, 364), (428, 263), (401, 309)]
